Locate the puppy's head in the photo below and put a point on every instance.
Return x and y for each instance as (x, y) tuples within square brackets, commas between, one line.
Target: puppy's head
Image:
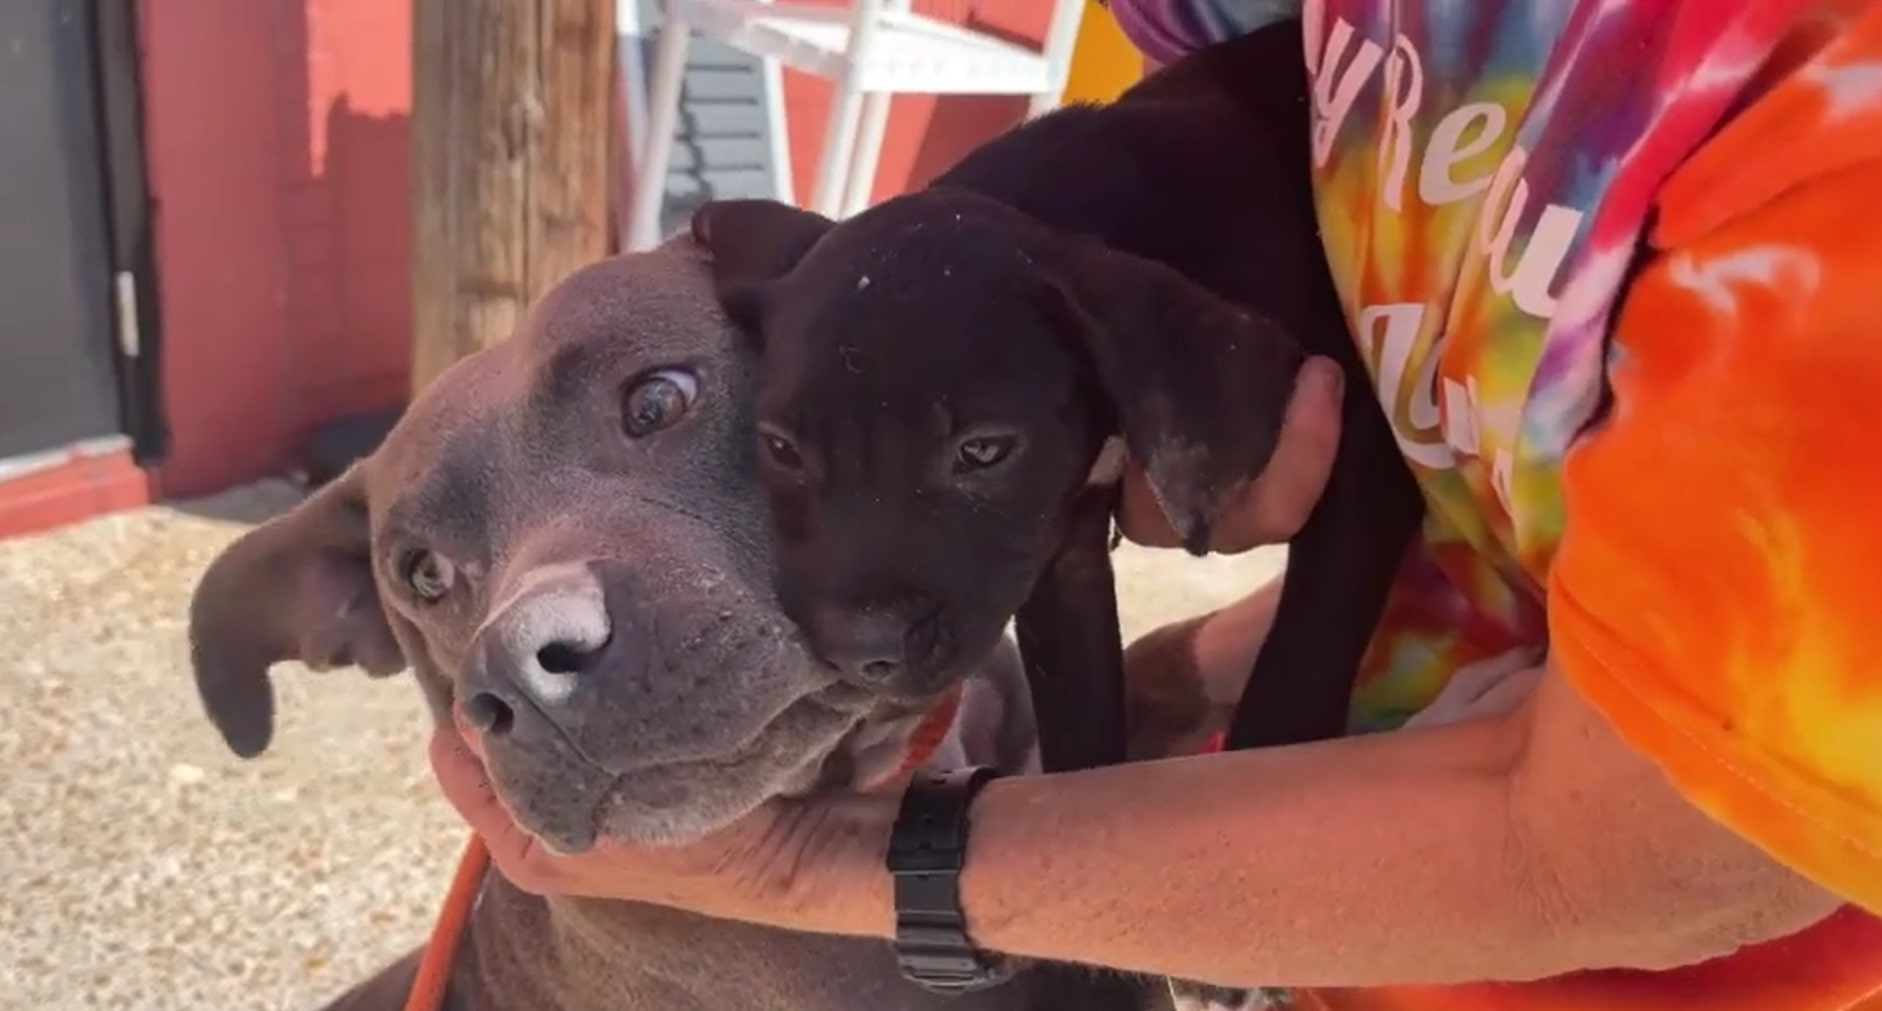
[(564, 539), (942, 376)]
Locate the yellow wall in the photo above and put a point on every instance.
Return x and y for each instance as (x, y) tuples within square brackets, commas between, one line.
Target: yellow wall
[(1104, 62)]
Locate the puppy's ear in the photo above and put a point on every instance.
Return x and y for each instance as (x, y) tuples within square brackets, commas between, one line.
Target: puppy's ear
[(1199, 384), (753, 242), (299, 587)]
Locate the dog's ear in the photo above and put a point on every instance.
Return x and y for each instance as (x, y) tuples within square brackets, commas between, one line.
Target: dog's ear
[(299, 587), (1199, 384), (753, 242)]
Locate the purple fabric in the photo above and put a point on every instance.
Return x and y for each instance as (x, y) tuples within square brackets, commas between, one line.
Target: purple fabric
[(1167, 30), (1158, 28)]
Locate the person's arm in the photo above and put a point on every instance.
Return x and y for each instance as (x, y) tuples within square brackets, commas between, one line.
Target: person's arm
[(1510, 848)]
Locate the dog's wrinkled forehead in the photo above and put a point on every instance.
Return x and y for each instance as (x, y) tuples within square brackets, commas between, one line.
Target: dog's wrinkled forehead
[(646, 308), (931, 295), (925, 248), (500, 432)]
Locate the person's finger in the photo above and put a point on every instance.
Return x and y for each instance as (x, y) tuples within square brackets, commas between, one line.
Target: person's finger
[(610, 870), (467, 787), (1276, 505), (1140, 516)]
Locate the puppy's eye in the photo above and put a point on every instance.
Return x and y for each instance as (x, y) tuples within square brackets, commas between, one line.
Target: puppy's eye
[(657, 400), (427, 575), (780, 450), (982, 452)]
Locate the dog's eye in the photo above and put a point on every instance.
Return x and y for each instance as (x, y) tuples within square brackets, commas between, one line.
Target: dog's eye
[(429, 576), (982, 452), (781, 451), (657, 400)]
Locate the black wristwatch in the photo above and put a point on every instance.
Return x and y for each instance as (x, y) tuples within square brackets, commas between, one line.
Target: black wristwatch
[(927, 848)]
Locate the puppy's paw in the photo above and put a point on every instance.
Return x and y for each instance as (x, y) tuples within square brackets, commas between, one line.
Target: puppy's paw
[(1188, 995)]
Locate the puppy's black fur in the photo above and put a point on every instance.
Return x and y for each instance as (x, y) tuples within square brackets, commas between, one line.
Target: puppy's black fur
[(943, 373)]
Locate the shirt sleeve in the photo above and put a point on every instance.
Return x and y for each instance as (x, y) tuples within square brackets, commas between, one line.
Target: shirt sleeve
[(1718, 591), (1167, 30)]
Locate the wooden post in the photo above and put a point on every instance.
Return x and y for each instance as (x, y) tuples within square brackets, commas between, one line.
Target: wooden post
[(512, 110)]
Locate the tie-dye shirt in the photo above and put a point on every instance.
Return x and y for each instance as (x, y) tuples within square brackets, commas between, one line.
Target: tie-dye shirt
[(1616, 266)]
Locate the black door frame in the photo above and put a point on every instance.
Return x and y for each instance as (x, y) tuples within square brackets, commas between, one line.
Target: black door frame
[(130, 216)]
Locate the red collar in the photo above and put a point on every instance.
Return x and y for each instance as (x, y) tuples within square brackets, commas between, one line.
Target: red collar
[(929, 734)]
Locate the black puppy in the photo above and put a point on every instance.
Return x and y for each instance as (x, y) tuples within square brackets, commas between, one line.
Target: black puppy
[(945, 375)]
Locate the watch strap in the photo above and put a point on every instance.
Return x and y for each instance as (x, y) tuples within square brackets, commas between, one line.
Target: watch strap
[(927, 849)]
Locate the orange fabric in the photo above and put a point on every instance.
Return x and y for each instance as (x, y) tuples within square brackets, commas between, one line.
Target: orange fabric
[(1831, 966), (1710, 592), (1738, 644)]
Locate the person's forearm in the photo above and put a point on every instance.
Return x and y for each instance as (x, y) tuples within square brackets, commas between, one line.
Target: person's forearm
[(1373, 860), (1382, 860)]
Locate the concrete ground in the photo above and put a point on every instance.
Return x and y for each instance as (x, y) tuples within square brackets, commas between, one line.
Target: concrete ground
[(144, 868)]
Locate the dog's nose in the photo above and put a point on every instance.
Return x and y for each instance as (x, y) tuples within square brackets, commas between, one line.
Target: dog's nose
[(866, 645), (535, 649)]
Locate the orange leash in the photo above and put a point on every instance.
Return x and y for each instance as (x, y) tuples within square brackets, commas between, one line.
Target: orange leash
[(434, 967)]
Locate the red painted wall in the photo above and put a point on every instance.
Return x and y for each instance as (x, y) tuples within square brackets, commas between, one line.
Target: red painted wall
[(277, 134), (276, 141)]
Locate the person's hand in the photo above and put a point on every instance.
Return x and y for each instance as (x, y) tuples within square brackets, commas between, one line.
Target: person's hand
[(1275, 506), (759, 870)]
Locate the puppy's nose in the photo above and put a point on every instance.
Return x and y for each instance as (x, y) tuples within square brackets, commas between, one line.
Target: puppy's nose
[(535, 650), (866, 645)]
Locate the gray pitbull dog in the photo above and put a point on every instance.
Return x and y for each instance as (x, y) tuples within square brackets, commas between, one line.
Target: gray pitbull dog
[(565, 537)]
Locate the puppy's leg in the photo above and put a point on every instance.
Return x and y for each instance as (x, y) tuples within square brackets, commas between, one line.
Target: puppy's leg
[(1340, 569), (1074, 658), (1074, 654)]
